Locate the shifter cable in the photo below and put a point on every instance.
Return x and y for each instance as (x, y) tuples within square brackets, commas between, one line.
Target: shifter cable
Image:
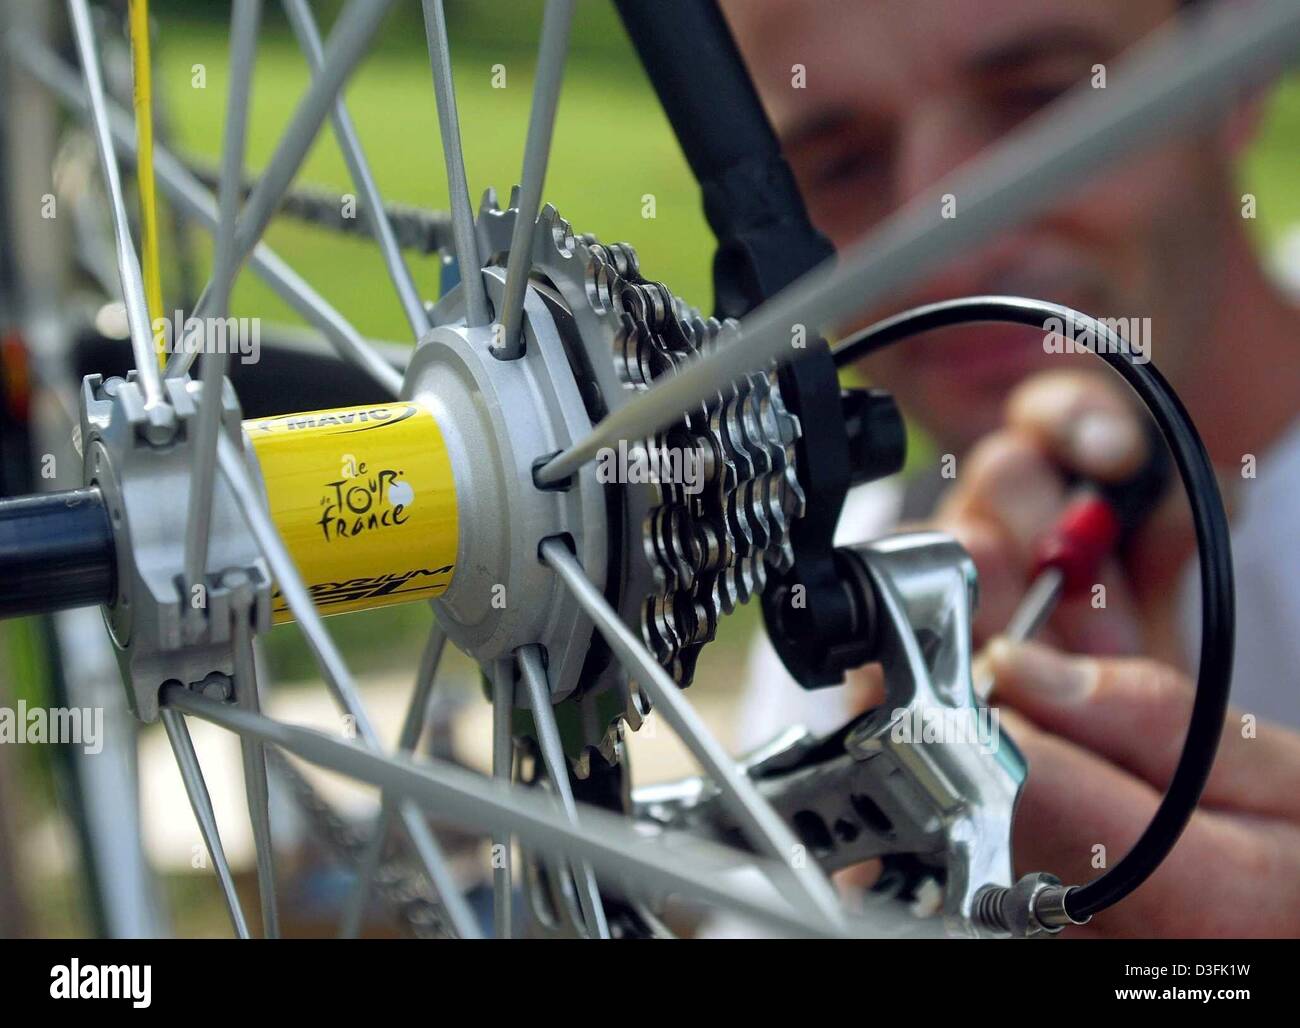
[(1214, 673)]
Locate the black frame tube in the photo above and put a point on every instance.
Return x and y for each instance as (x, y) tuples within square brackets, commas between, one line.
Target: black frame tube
[(751, 199)]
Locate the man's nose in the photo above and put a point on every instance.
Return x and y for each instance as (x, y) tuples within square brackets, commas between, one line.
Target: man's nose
[(936, 139)]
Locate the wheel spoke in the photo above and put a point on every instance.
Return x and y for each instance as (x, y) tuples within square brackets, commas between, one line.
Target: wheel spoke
[(128, 263), (462, 214), (1173, 78), (244, 20), (295, 593), (537, 151), (184, 356), (760, 823), (304, 26), (197, 203), (192, 775), (253, 754), (666, 862), (348, 42), (412, 727), (142, 100), (557, 767), (335, 672), (503, 763)]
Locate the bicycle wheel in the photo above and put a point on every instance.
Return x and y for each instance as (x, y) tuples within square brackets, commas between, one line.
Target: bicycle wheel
[(535, 480)]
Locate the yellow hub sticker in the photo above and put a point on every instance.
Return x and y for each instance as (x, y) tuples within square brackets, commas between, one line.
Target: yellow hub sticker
[(365, 500)]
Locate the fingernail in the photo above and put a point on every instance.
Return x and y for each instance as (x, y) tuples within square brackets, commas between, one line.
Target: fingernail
[(982, 677), (1105, 442), (1042, 671), (984, 666)]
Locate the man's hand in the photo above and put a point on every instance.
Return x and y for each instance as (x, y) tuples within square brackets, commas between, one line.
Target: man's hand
[(1102, 737), (1012, 487)]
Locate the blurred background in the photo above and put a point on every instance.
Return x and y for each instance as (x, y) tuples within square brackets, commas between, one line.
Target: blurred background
[(609, 125)]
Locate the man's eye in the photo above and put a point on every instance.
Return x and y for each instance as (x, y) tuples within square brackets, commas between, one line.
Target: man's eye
[(1020, 103), (849, 166)]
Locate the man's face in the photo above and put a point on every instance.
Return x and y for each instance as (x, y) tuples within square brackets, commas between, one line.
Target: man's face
[(898, 93)]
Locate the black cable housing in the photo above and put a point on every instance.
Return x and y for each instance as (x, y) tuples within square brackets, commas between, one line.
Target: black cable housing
[(1218, 605)]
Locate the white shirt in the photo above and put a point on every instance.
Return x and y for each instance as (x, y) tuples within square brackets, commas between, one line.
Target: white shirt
[(1266, 569), (1266, 561)]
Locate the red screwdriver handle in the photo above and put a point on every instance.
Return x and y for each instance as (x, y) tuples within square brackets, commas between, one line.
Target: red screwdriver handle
[(1100, 516), (1086, 531)]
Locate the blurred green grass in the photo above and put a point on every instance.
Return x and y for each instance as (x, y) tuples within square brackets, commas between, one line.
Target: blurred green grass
[(612, 147), (1272, 164)]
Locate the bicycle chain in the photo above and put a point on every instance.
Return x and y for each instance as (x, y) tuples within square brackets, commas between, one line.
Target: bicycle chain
[(415, 228), (403, 886)]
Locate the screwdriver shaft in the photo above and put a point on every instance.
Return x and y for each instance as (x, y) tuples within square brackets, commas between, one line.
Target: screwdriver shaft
[(1036, 606), (1034, 609)]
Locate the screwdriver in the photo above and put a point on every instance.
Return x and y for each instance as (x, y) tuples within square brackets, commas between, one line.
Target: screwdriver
[(1099, 518)]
